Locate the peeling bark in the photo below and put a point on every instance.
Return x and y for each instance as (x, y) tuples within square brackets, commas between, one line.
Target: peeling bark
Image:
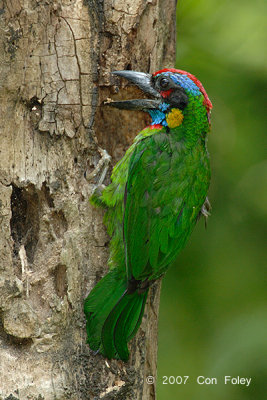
[(55, 63)]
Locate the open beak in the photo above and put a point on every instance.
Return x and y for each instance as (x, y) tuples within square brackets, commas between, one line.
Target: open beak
[(144, 82)]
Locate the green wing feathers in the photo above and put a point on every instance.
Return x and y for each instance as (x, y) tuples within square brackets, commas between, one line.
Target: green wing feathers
[(164, 196)]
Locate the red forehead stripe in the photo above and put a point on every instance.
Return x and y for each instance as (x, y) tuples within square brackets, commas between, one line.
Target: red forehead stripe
[(207, 101)]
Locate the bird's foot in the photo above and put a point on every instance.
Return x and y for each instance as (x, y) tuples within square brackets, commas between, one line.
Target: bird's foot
[(97, 191), (101, 169), (96, 177), (205, 210)]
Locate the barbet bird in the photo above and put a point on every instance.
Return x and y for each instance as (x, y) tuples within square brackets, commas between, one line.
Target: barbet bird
[(157, 193)]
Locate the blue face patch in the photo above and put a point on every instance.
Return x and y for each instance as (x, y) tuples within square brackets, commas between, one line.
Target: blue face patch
[(164, 106), (158, 117), (185, 82)]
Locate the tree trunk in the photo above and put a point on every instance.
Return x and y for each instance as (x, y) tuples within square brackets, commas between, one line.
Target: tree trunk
[(55, 64)]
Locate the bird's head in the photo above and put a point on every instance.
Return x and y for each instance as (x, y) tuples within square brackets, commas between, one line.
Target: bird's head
[(173, 93)]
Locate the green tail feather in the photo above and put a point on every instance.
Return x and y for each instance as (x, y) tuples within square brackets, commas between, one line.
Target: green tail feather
[(113, 315)]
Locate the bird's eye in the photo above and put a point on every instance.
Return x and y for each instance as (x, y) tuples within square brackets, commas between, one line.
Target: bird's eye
[(164, 83)]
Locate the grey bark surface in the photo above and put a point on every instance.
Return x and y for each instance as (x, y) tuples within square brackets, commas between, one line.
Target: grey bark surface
[(55, 63)]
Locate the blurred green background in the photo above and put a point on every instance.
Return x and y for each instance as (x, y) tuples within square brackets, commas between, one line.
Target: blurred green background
[(213, 303)]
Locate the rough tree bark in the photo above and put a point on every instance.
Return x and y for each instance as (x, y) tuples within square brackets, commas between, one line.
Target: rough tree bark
[(55, 63)]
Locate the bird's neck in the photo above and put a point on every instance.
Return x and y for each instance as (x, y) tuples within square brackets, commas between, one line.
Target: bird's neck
[(192, 122)]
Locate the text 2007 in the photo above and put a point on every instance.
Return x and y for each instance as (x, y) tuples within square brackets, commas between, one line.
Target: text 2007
[(171, 380)]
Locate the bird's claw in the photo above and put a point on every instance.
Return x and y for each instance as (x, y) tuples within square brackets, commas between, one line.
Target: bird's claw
[(205, 210), (98, 190), (101, 168)]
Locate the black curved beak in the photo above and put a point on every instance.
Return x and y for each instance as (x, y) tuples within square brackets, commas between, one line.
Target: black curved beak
[(144, 82)]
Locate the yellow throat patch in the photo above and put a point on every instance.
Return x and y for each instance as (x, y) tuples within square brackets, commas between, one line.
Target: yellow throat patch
[(174, 118)]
